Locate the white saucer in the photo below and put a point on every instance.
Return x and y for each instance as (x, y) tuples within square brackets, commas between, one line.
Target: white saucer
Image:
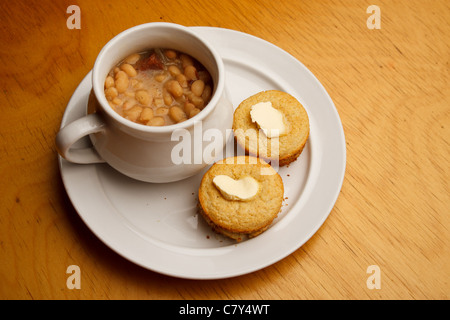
[(156, 225)]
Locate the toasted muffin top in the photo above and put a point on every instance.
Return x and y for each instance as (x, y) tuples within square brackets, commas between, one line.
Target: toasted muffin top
[(285, 147), (242, 216)]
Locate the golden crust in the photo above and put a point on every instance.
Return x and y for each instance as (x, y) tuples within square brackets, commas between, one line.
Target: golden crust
[(239, 219), (255, 143)]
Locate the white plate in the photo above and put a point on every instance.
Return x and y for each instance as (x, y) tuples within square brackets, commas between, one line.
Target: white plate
[(156, 225)]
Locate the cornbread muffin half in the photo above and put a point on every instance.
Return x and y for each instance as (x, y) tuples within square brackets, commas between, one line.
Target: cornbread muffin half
[(289, 145), (237, 218)]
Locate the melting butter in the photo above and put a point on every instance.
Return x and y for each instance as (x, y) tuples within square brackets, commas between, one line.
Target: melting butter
[(268, 119), (243, 189)]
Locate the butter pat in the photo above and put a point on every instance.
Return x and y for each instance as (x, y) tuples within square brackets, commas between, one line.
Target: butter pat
[(243, 189), (268, 119)]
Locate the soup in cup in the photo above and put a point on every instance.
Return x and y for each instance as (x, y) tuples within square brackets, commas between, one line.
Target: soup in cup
[(159, 109)]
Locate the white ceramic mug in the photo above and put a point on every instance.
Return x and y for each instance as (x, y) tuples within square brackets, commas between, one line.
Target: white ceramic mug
[(145, 152)]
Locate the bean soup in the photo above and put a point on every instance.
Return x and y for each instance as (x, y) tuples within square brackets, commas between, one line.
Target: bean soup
[(158, 87)]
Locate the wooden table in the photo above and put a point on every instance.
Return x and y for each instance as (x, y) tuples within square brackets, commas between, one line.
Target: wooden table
[(391, 89)]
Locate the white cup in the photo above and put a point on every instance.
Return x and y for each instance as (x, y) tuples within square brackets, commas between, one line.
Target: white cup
[(142, 152)]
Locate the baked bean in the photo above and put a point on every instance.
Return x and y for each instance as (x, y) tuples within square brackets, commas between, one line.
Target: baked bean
[(181, 78), (160, 77), (194, 112), (197, 87), (143, 97), (146, 115), (181, 100), (109, 82), (162, 111), (117, 101), (156, 121), (158, 102), (186, 60), (167, 98), (188, 107), (111, 93), (120, 74), (128, 105), (133, 113), (171, 54), (174, 70), (177, 114), (128, 69), (133, 58), (130, 94), (190, 72), (174, 88), (158, 87), (122, 84), (197, 101)]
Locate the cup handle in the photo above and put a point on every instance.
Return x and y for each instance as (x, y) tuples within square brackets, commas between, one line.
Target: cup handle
[(73, 132)]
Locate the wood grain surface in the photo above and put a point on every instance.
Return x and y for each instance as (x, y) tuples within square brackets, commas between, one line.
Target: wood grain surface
[(390, 87)]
